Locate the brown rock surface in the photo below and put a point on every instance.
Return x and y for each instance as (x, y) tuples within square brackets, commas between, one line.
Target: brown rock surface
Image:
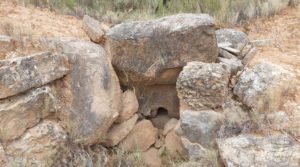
[(94, 29), (174, 145), (129, 106), (142, 136), (118, 132), (42, 145), (24, 111), (151, 158)]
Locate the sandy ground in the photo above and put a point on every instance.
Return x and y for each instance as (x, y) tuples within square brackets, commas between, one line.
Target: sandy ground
[(284, 30), (27, 25)]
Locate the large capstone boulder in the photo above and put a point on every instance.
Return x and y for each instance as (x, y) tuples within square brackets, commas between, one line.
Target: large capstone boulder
[(20, 74), (42, 145), (253, 150), (153, 52), (234, 38), (264, 87), (91, 91), (200, 126), (24, 111), (203, 85)]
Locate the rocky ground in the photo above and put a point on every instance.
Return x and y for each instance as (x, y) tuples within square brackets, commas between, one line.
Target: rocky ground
[(174, 91)]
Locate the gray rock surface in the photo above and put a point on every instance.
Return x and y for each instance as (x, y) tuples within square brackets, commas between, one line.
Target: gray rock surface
[(253, 150), (238, 39), (200, 126), (196, 153), (203, 85), (234, 65), (262, 86), (91, 92), (153, 52), (24, 111), (20, 74)]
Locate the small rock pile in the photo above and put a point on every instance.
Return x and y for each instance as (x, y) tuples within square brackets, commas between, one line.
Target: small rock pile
[(173, 87)]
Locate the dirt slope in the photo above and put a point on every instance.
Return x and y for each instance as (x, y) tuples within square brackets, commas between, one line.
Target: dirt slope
[(27, 25), (284, 30)]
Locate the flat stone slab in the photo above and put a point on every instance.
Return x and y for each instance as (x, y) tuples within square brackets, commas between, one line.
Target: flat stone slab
[(24, 111), (20, 74), (151, 52)]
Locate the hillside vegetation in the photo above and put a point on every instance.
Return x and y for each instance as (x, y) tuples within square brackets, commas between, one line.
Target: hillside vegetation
[(233, 11)]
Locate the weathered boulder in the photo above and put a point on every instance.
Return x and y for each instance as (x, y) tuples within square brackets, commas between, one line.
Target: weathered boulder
[(234, 65), (252, 150), (237, 39), (173, 145), (24, 111), (197, 153), (20, 74), (200, 126), (42, 145), (157, 98), (264, 86), (152, 158), (91, 92), (119, 131), (94, 29), (141, 137), (170, 125), (129, 106), (237, 120), (203, 85), (153, 52), (6, 45)]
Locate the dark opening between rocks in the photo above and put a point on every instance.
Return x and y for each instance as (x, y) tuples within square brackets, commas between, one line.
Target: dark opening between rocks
[(159, 117)]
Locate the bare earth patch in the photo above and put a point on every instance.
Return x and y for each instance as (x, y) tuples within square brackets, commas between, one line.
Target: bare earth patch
[(284, 30), (27, 25)]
